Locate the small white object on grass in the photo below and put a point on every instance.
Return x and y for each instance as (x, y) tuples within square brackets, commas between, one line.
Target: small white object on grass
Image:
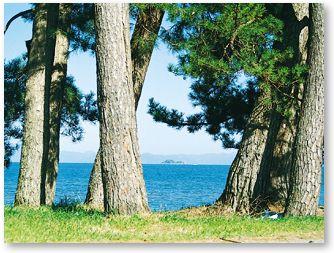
[(273, 217)]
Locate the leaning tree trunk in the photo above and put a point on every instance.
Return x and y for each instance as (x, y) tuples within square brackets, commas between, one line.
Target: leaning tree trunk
[(142, 44), (243, 172), (271, 188), (122, 176), (306, 167), (29, 183), (282, 155), (58, 79)]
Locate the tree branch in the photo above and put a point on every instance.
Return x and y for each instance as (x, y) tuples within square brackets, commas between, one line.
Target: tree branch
[(235, 34), (20, 14), (282, 92)]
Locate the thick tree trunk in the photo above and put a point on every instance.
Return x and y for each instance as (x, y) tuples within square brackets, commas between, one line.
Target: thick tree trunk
[(282, 154), (307, 159), (29, 184), (122, 176), (58, 78), (271, 188), (242, 176), (274, 192), (142, 44), (260, 199)]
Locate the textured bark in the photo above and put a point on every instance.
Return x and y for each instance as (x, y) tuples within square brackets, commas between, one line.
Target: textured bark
[(260, 199), (122, 176), (242, 176), (142, 44), (52, 20), (282, 154), (94, 197), (307, 158), (58, 78), (271, 188), (29, 183)]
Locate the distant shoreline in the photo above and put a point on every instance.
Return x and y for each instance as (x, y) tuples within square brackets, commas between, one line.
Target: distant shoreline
[(149, 158)]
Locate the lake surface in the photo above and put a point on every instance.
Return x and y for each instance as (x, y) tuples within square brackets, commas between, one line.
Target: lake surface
[(169, 187)]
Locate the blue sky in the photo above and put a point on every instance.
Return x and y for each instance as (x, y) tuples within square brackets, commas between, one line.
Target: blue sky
[(165, 87)]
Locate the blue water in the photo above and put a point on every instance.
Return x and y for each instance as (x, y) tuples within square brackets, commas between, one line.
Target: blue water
[(169, 187)]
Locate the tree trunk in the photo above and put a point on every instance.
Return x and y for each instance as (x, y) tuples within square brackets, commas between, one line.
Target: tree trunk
[(271, 188), (307, 158), (122, 176), (142, 44), (242, 176), (143, 40), (29, 184), (52, 20), (260, 199), (94, 197), (58, 78)]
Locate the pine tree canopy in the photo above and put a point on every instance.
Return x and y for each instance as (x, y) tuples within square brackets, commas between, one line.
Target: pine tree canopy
[(217, 45), (230, 52), (76, 105)]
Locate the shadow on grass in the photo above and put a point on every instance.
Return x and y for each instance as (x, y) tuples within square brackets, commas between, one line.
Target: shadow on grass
[(71, 206)]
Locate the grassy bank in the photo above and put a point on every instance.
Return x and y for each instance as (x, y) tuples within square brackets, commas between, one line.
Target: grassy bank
[(75, 224)]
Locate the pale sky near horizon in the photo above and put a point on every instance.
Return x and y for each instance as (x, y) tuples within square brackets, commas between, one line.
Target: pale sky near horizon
[(164, 86)]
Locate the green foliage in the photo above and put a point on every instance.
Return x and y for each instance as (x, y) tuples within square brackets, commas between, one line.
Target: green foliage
[(137, 8), (159, 113), (217, 46), (224, 107), (82, 32), (14, 88), (70, 118)]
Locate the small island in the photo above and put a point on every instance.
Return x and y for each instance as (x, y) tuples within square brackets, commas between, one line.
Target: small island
[(172, 162)]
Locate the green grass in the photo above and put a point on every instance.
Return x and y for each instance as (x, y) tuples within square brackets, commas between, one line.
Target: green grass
[(75, 224)]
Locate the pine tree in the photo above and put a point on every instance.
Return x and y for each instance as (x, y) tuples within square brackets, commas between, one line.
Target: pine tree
[(272, 187), (307, 158), (122, 177), (58, 78), (37, 90), (149, 18), (216, 44), (57, 84)]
